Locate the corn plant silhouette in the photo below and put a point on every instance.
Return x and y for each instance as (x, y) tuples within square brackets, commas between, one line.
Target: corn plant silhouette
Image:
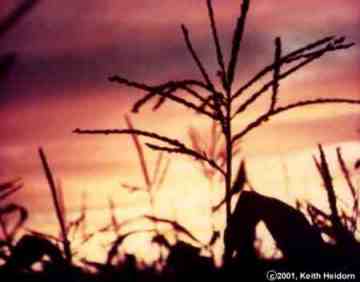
[(218, 99)]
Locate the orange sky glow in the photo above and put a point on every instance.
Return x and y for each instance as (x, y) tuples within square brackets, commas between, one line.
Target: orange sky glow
[(67, 51)]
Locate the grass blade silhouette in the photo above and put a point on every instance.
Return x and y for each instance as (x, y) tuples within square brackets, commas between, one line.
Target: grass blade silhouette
[(57, 205), (237, 38)]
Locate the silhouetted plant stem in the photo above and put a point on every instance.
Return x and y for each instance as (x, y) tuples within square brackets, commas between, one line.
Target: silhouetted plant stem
[(227, 130), (277, 66), (227, 127), (196, 57), (342, 236), (237, 38), (355, 209), (57, 205), (228, 142), (219, 52)]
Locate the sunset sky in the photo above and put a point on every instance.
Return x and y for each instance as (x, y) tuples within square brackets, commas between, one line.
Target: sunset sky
[(67, 50)]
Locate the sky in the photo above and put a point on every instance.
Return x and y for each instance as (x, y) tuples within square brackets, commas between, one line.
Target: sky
[(66, 50)]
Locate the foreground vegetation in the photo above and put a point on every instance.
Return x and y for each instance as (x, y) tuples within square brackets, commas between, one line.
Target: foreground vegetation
[(35, 256)]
